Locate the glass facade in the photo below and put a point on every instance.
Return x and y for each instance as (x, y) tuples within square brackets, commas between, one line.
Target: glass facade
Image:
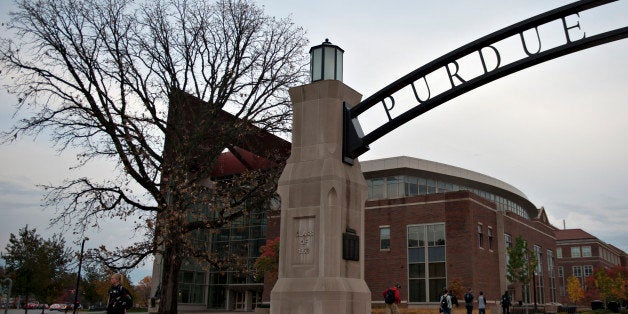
[(191, 287), (239, 242), (405, 186), (427, 274)]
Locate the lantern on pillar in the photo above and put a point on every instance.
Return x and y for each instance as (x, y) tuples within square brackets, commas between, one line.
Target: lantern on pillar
[(326, 62)]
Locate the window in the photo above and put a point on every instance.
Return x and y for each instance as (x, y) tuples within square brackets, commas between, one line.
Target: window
[(575, 251), (422, 186), (384, 238), (586, 251), (560, 271), (411, 186), (559, 252), (480, 237), (588, 270), (376, 188), (508, 240), (426, 262), (431, 186), (394, 184), (550, 263), (550, 272), (539, 260), (490, 238), (577, 271)]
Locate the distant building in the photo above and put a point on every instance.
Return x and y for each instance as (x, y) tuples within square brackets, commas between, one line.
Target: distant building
[(579, 253)]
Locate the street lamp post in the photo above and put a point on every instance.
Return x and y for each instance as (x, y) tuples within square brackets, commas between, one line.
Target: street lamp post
[(8, 283), (78, 277), (534, 288)]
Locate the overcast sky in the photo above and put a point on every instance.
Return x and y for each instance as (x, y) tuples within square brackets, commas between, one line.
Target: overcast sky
[(556, 131)]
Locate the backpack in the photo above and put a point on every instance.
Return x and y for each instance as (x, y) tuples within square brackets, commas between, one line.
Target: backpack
[(443, 302), (129, 301), (389, 298), (505, 300), (454, 300)]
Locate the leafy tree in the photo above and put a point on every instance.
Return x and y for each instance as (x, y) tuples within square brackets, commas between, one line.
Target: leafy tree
[(590, 292), (97, 284), (521, 263), (142, 291), (609, 284), (159, 88), (457, 288), (37, 266), (268, 261), (574, 289)]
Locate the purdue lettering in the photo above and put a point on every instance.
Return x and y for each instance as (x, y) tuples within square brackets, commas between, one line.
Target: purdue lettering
[(530, 34)]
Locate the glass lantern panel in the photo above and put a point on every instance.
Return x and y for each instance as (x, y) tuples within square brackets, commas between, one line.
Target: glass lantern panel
[(339, 65), (315, 64), (329, 63)]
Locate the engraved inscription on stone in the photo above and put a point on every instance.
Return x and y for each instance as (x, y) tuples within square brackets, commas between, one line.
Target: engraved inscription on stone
[(304, 252)]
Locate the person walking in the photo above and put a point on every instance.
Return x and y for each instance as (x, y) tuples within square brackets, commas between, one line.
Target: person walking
[(506, 303), (445, 302), (468, 301), (119, 297), (481, 303), (392, 298)]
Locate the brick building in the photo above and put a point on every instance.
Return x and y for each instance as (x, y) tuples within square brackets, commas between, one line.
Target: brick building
[(430, 225), (579, 253)]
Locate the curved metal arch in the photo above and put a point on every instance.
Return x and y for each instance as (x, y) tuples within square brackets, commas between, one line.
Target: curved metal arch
[(356, 143)]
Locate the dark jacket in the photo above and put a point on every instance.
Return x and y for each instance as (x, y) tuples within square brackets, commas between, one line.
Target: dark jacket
[(119, 300)]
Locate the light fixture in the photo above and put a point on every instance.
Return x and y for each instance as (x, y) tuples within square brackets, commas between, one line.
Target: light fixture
[(326, 62)]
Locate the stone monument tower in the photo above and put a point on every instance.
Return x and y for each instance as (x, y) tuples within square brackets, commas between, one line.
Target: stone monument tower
[(321, 258)]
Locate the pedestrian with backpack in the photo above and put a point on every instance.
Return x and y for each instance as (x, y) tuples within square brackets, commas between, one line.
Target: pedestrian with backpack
[(445, 303), (120, 299), (505, 303), (468, 301), (392, 298)]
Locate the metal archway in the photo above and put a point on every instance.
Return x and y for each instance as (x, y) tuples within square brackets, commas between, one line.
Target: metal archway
[(355, 143)]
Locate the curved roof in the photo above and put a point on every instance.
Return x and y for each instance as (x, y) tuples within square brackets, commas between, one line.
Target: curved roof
[(436, 167)]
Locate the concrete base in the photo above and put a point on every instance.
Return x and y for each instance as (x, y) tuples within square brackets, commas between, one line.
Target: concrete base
[(321, 295)]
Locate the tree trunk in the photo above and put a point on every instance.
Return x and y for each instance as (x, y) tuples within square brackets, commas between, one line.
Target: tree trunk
[(170, 278)]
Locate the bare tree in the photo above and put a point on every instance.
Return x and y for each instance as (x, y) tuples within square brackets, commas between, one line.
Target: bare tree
[(160, 88)]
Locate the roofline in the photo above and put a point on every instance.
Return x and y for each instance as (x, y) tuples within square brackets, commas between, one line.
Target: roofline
[(436, 167)]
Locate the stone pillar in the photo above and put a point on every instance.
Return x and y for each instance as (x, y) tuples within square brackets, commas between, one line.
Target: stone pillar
[(501, 249), (321, 197)]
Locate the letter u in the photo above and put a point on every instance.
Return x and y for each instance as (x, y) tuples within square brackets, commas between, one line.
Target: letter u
[(525, 46)]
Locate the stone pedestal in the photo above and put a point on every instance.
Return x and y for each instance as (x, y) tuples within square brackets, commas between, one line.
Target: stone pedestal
[(321, 198)]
